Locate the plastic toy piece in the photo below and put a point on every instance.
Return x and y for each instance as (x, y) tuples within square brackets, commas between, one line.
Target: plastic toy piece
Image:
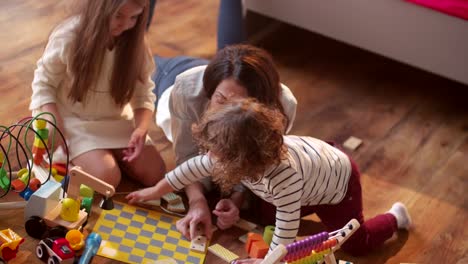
[(223, 253), (93, 242), (4, 180), (347, 262), (268, 234), (352, 143), (199, 244), (55, 251), (76, 239), (245, 225), (9, 244), (39, 148), (276, 255), (172, 198)]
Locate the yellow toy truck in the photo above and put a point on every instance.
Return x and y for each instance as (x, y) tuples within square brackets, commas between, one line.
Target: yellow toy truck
[(9, 244)]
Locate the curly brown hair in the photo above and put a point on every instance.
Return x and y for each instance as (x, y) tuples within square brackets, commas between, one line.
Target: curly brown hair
[(245, 137)]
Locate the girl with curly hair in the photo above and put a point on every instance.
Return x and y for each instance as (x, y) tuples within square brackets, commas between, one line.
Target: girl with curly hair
[(244, 142)]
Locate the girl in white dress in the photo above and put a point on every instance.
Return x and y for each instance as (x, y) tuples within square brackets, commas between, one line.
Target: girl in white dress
[(95, 78)]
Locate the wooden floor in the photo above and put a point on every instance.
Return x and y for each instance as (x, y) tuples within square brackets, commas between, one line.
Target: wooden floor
[(414, 124)]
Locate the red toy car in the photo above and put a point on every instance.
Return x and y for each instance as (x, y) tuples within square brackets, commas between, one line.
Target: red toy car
[(55, 250)]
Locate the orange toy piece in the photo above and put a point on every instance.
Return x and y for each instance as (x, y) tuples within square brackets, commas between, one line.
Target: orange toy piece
[(76, 239), (39, 148), (59, 168), (255, 246)]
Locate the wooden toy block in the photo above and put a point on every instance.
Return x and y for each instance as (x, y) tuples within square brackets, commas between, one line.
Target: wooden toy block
[(223, 253), (245, 225), (352, 143), (153, 202), (172, 198), (198, 244), (177, 207), (243, 238), (276, 255), (259, 249), (252, 237)]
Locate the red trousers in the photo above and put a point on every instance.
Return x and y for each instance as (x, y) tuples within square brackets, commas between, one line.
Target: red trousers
[(372, 233)]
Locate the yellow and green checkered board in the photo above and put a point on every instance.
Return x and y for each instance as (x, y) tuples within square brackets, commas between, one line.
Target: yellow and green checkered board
[(136, 235)]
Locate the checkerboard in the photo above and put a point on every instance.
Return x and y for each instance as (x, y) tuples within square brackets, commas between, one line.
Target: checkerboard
[(137, 235)]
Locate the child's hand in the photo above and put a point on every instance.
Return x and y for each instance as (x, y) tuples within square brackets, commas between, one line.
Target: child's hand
[(227, 213), (142, 195), (135, 145)]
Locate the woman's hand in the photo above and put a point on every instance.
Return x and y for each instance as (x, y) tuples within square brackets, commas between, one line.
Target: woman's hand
[(227, 213), (135, 145), (197, 217)]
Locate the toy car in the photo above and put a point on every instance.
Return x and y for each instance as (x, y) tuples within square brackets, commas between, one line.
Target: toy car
[(9, 244), (55, 250)]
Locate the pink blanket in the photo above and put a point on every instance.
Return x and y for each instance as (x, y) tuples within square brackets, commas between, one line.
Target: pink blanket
[(458, 8)]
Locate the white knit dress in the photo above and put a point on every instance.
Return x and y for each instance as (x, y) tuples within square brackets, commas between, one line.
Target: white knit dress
[(98, 123)]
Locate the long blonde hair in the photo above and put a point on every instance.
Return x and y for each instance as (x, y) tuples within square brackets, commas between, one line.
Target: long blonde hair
[(92, 39)]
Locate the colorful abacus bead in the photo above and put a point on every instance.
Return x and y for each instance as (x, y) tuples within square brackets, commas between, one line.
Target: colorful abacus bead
[(40, 141)]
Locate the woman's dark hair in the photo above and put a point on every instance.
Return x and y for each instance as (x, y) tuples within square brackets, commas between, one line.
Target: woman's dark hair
[(251, 67)]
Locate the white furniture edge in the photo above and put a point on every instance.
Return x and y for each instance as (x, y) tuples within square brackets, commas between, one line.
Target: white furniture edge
[(418, 36)]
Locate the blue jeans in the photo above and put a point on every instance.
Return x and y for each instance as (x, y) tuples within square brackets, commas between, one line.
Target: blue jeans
[(167, 70), (231, 29)]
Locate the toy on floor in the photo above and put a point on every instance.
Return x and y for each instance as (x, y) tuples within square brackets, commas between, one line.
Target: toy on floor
[(133, 234), (9, 244), (318, 248), (93, 242), (16, 142), (255, 246), (76, 239), (45, 209), (223, 253), (55, 251)]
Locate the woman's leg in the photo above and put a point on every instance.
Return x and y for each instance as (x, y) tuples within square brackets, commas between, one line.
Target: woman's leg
[(151, 12), (372, 233), (230, 23), (101, 164), (148, 168)]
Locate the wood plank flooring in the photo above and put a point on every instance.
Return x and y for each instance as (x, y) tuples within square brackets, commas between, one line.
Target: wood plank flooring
[(414, 124)]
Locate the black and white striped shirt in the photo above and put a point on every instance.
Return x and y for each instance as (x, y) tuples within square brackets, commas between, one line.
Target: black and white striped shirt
[(313, 173)]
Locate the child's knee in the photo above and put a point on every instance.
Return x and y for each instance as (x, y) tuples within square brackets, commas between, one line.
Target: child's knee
[(354, 249)]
